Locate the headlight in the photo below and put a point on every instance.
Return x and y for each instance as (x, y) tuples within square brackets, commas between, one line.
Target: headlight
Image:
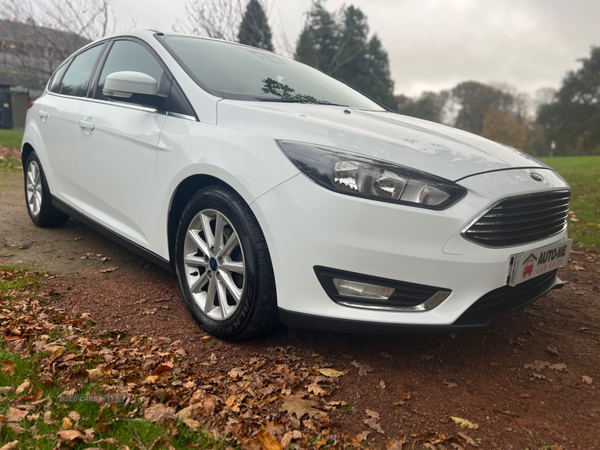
[(360, 176)]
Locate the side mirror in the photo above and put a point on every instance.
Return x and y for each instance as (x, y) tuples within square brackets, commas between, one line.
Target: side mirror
[(125, 84)]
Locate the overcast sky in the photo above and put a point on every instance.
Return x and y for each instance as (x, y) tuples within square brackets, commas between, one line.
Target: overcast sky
[(435, 44)]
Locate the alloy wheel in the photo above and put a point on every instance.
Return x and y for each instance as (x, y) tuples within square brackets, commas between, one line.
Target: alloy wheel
[(34, 188), (213, 261)]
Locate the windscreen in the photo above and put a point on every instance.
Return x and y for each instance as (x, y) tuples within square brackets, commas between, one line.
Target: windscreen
[(245, 73)]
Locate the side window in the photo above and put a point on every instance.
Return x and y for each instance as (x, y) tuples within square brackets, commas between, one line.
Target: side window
[(77, 78), (55, 82), (130, 56)]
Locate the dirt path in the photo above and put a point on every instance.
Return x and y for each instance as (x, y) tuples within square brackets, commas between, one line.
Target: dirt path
[(528, 381)]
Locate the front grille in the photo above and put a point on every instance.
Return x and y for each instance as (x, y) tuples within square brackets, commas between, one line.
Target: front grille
[(520, 220)]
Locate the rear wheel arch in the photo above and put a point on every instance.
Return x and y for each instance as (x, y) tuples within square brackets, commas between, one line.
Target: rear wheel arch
[(25, 152)]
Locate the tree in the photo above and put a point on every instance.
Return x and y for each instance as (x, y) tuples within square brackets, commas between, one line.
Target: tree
[(429, 106), (339, 45), (475, 100), (499, 126), (573, 119), (37, 35), (218, 19), (254, 29)]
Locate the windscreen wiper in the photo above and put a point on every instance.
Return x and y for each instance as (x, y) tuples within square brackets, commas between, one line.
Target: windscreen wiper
[(296, 100)]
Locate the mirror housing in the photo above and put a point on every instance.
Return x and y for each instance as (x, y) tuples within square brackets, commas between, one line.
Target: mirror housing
[(125, 84)]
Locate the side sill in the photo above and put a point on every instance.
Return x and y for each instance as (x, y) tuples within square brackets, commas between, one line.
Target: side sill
[(122, 241)]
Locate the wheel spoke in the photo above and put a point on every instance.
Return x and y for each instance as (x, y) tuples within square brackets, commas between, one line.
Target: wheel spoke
[(199, 283), (234, 266), (219, 224), (30, 175), (39, 197), (210, 295), (222, 292), (195, 236), (229, 246), (235, 291), (195, 261), (208, 234)]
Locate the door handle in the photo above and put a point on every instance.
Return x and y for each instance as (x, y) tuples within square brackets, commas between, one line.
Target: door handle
[(43, 114), (87, 125)]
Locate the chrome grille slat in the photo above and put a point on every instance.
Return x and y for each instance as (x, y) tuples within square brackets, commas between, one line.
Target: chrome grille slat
[(483, 222), (520, 220), (511, 227)]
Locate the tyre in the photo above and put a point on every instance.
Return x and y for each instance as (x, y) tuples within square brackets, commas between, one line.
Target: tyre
[(224, 267), (38, 197)]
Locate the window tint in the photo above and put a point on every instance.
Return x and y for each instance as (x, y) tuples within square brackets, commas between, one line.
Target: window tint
[(55, 82), (129, 56), (76, 80)]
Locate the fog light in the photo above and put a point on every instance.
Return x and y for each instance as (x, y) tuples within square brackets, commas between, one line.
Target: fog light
[(356, 289)]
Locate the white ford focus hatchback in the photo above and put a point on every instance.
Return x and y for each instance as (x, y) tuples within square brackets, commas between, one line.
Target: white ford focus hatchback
[(277, 193)]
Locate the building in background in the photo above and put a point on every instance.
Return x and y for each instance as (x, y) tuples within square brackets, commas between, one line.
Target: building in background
[(29, 54)]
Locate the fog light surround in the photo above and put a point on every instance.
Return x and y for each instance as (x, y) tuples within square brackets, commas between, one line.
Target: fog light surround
[(356, 289)]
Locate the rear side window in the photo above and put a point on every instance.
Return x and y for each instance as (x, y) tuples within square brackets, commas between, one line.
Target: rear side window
[(77, 78), (129, 56), (55, 82)]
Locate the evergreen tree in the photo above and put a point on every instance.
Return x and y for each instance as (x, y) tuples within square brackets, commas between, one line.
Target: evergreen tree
[(573, 119), (254, 29), (340, 46)]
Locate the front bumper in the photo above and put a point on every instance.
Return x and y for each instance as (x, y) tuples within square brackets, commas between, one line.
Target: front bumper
[(308, 226)]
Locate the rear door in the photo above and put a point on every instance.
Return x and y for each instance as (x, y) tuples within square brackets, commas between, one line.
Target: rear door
[(56, 117), (117, 155)]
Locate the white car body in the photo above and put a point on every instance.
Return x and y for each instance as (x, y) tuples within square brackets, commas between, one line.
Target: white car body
[(121, 167)]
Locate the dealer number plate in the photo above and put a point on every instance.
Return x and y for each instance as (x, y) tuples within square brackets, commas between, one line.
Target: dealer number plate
[(533, 263)]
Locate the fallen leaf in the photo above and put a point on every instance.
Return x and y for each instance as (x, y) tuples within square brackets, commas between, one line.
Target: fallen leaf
[(10, 446), (386, 355), (382, 384), (331, 372), (74, 416), (552, 350), (316, 389), (151, 379), (537, 365), (524, 396), (67, 424), (372, 414), (372, 423), (192, 424), (159, 413), (469, 440), (465, 423), (25, 385), (164, 367), (109, 270), (8, 367), (48, 418), (267, 440), (395, 444), (449, 384), (587, 379), (363, 369), (539, 376), (15, 414), (362, 436), (71, 435), (560, 367), (298, 406)]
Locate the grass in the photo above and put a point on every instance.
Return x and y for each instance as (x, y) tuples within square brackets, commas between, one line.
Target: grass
[(11, 138), (583, 174), (10, 145)]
